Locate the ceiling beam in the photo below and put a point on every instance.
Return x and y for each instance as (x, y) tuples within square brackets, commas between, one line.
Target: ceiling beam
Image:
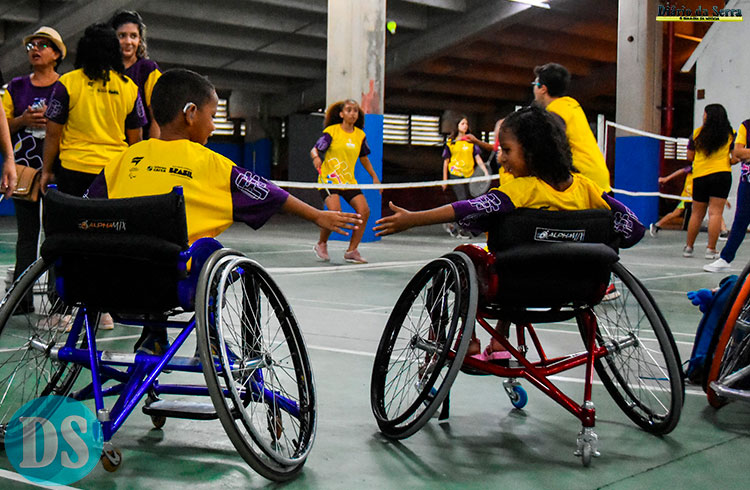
[(490, 15), (550, 42), (236, 13), (16, 11), (477, 89), (452, 5)]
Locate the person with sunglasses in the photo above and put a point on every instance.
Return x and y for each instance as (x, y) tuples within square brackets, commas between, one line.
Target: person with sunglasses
[(24, 102)]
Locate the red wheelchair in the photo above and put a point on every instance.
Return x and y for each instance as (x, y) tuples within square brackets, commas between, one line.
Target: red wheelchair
[(542, 267)]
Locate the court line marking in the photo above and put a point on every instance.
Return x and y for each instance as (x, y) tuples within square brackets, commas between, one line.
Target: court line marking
[(342, 268), (690, 391), (13, 476)]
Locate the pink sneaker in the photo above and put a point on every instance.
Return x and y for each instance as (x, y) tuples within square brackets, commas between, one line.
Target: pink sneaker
[(354, 257), (106, 322), (321, 250)]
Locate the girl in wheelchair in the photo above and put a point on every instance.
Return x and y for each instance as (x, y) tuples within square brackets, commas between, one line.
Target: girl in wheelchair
[(535, 151)]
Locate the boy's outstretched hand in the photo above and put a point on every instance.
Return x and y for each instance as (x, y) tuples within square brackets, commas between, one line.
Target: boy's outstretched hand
[(338, 221), (398, 221)]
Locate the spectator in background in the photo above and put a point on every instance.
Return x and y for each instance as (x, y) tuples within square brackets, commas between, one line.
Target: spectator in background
[(131, 32), (742, 209), (550, 89), (459, 157), (709, 148), (90, 109), (24, 101)]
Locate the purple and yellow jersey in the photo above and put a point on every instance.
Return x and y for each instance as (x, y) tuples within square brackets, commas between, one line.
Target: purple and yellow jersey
[(145, 73), (94, 116), (460, 155), (718, 161), (20, 94), (504, 175), (741, 139), (216, 191), (587, 158), (532, 192), (339, 151)]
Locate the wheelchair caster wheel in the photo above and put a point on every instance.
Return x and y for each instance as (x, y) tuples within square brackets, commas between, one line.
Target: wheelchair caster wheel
[(111, 458), (587, 445), (158, 421), (516, 393), (518, 398)]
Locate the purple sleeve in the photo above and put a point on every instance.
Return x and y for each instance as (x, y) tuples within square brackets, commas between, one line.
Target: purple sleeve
[(688, 169), (477, 150), (98, 188), (474, 215), (137, 117), (446, 153), (365, 150), (59, 105), (626, 223), (254, 198), (323, 143), (691, 143)]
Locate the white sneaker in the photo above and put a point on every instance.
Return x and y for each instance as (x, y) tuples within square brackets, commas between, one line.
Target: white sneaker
[(711, 254), (719, 265), (653, 229), (106, 322), (687, 251)]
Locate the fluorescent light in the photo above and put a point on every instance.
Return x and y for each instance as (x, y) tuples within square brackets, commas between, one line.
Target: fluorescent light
[(534, 3)]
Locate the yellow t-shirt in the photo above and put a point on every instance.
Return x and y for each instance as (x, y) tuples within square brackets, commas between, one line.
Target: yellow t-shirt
[(742, 133), (532, 192), (718, 161), (504, 175), (461, 157), (342, 150), (94, 116), (216, 191), (587, 157)]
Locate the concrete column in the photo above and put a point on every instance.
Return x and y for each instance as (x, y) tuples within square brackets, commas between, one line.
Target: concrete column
[(356, 53), (356, 70), (639, 63)]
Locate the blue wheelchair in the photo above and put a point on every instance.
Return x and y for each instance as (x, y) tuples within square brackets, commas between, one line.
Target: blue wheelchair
[(130, 257)]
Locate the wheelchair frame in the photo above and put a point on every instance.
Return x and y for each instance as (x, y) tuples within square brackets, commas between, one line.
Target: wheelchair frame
[(242, 372), (728, 372), (419, 344)]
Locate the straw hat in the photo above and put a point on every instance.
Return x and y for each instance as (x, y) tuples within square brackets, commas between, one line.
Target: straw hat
[(52, 35)]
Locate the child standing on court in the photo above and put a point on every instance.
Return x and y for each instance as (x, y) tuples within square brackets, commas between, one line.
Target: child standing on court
[(536, 152), (217, 192), (334, 156)]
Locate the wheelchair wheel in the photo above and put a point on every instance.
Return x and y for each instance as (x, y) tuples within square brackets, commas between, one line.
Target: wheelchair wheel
[(732, 353), (256, 365), (27, 371), (423, 345), (642, 370)]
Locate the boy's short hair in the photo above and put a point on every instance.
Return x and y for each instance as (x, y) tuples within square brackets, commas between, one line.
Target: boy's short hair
[(174, 89), (555, 77)]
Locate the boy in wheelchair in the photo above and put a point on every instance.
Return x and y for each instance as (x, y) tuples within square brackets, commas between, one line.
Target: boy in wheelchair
[(217, 192), (535, 151)]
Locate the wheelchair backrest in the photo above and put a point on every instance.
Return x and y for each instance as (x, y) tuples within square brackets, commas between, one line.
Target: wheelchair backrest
[(553, 258), (117, 255)]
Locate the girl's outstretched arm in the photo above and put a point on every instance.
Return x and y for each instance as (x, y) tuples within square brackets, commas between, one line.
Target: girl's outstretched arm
[(403, 219), (330, 220)]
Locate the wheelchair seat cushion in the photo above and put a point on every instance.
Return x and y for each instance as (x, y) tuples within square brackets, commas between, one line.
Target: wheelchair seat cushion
[(117, 255), (550, 259)]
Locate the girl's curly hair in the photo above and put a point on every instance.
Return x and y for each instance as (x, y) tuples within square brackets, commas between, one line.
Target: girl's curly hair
[(99, 52), (715, 132), (132, 17), (333, 114), (545, 146)]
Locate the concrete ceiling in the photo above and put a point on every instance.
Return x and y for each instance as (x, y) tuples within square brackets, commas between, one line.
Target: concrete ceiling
[(473, 56)]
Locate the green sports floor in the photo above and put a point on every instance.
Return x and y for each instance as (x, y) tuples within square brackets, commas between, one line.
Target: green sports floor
[(342, 309)]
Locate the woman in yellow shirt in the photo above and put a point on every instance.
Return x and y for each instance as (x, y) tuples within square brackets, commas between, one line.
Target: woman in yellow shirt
[(710, 151)]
